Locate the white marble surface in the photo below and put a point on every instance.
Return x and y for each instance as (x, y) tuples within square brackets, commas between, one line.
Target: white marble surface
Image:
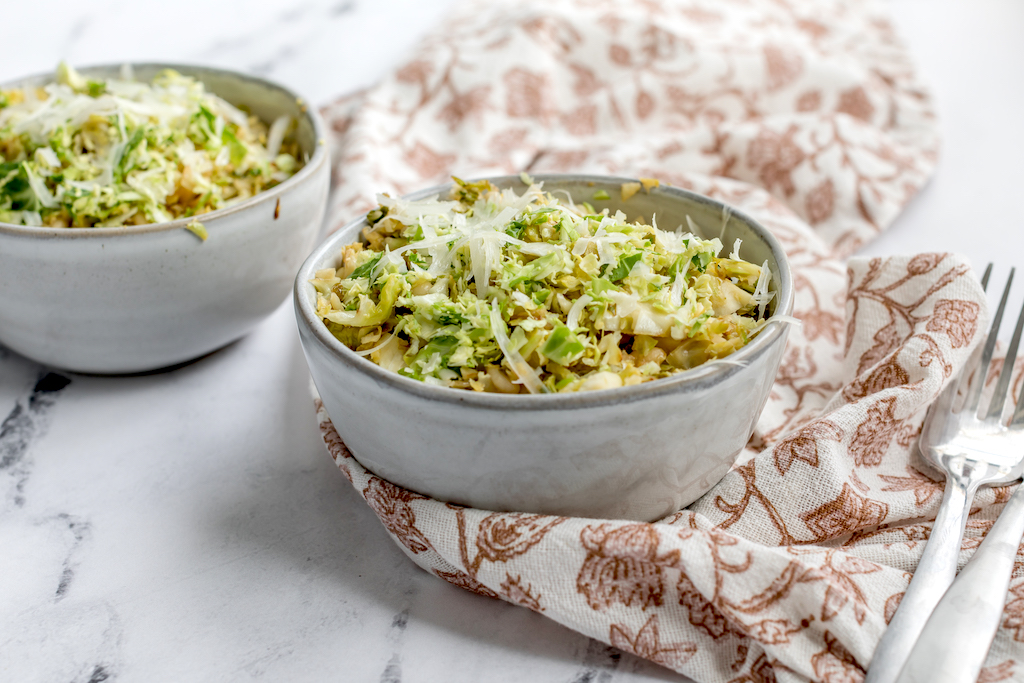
[(189, 525)]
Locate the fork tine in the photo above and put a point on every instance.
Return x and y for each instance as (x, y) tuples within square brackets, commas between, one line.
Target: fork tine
[(974, 397), (969, 370), (1018, 413), (995, 408)]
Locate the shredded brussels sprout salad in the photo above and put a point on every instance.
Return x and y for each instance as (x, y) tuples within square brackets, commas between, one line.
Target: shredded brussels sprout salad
[(99, 153), (500, 292)]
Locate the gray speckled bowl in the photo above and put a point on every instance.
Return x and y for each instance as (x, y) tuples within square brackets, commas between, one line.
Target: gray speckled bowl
[(115, 300), (638, 452)]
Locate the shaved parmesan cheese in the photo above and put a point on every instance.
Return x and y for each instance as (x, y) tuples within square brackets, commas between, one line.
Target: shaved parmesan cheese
[(42, 193), (526, 374), (378, 347), (275, 136), (572, 320), (761, 294), (47, 157)]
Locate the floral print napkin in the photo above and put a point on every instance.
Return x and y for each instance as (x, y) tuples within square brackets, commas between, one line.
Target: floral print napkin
[(807, 115)]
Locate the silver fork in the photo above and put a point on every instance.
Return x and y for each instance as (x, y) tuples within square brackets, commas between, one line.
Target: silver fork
[(955, 640), (972, 450)]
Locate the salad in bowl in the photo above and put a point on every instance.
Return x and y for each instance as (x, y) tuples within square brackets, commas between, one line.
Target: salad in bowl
[(105, 152), (492, 290)]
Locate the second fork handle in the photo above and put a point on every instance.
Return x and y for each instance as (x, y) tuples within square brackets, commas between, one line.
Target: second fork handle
[(934, 574), (955, 642)]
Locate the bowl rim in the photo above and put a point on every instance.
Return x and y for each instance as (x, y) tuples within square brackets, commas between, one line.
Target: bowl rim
[(319, 157), (688, 380)]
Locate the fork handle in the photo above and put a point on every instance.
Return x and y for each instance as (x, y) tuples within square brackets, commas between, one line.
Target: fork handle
[(933, 575), (955, 641)]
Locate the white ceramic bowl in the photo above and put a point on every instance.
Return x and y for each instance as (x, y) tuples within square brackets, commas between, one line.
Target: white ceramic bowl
[(638, 452), (117, 300)]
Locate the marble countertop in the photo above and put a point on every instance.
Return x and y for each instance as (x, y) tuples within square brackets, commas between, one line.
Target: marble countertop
[(189, 525)]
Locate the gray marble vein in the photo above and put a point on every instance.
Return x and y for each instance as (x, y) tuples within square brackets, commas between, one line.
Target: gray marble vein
[(26, 422)]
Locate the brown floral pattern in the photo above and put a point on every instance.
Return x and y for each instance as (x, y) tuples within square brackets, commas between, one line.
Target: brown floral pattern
[(514, 589), (702, 613), (820, 202), (872, 437), (856, 103), (761, 671), (526, 95), (891, 605), (885, 376), (835, 664), (502, 537), (1014, 610), (391, 503), (923, 487), (846, 513), (997, 672), (807, 115), (956, 319), (803, 444), (464, 580), (843, 590), (776, 156), (647, 644), (623, 565)]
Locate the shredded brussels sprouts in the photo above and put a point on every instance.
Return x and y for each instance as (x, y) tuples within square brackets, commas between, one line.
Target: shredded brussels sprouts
[(493, 291), (88, 153)]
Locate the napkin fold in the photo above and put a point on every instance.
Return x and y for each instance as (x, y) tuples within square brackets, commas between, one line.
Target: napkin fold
[(807, 115)]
